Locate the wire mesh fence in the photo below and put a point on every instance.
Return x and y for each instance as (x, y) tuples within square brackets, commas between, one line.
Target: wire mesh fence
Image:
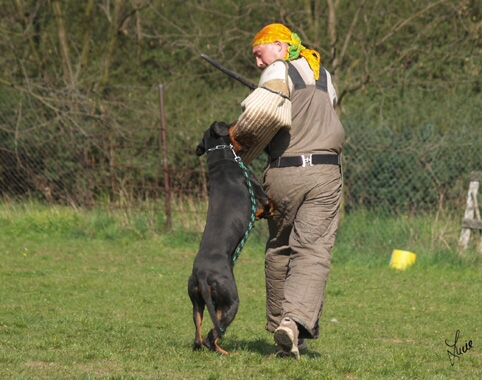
[(80, 151), (85, 150), (417, 170)]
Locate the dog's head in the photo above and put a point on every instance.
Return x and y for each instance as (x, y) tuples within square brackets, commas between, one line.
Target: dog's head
[(217, 134)]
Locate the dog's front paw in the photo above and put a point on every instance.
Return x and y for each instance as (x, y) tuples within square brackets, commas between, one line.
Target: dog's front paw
[(267, 210)]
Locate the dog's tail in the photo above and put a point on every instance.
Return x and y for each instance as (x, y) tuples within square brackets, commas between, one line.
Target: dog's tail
[(208, 299)]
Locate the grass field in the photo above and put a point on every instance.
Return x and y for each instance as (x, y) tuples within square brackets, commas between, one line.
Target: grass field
[(84, 296)]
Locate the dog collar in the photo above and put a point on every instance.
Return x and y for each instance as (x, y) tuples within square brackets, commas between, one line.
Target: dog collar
[(219, 147)]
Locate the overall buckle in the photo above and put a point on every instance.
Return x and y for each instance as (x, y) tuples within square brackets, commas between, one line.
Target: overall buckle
[(306, 160)]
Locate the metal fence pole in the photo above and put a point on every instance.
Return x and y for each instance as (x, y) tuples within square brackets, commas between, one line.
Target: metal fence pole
[(167, 188)]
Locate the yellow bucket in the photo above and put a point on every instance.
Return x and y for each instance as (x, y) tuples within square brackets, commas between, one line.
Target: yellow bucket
[(402, 259)]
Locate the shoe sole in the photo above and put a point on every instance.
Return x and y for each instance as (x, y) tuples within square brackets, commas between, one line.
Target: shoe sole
[(284, 354), (284, 339)]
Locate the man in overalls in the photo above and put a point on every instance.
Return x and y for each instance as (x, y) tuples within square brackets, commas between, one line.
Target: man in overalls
[(291, 115)]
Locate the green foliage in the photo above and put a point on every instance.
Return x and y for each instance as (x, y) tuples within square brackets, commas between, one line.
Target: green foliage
[(160, 41), (79, 107)]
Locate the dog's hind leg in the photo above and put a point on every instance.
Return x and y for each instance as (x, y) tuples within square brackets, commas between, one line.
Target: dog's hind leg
[(198, 305), (198, 320), (211, 342), (225, 317)]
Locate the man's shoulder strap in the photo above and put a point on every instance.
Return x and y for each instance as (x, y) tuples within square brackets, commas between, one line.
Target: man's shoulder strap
[(295, 76), (322, 82), (299, 83)]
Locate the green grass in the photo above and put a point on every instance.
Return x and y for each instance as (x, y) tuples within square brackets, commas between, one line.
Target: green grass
[(88, 296)]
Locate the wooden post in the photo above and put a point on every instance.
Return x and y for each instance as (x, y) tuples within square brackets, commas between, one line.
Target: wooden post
[(471, 211), (167, 188)]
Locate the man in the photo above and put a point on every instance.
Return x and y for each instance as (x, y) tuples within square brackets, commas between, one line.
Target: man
[(291, 115)]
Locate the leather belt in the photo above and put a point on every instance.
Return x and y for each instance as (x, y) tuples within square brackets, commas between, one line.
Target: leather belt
[(306, 160)]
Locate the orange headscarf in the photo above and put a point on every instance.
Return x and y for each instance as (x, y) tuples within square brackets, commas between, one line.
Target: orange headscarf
[(279, 32)]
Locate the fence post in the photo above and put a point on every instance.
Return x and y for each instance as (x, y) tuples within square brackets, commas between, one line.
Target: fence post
[(167, 188), (472, 209)]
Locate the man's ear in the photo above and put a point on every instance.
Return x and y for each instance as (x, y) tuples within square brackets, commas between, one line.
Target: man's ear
[(282, 48), (220, 128)]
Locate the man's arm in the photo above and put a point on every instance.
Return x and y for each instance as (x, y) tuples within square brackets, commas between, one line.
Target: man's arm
[(265, 111)]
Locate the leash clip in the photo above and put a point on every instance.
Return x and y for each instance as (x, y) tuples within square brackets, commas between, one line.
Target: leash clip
[(236, 157), (306, 160)]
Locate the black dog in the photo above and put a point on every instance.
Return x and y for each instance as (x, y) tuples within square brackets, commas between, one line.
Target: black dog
[(230, 211)]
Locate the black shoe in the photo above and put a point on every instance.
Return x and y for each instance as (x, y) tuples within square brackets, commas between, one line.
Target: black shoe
[(302, 345)]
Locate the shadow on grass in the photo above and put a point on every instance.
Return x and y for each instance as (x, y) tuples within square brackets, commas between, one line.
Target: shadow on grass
[(261, 347)]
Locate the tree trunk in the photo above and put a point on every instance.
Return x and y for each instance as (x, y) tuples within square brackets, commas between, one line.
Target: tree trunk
[(63, 43), (86, 24), (26, 25), (311, 8), (112, 40)]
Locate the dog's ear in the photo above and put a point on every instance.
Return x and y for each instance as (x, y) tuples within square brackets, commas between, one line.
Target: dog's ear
[(220, 128)]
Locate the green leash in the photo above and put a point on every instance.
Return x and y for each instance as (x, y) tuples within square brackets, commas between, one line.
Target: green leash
[(253, 207)]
